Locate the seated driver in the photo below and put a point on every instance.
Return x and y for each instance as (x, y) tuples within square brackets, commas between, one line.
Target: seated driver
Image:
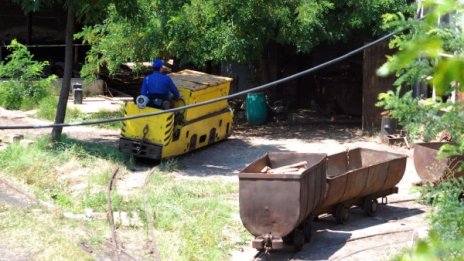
[(159, 87)]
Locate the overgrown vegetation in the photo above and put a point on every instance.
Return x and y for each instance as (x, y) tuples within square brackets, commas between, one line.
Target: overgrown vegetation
[(424, 119), (440, 50), (40, 164), (23, 86), (446, 237), (47, 110), (192, 217), (74, 115), (433, 54)]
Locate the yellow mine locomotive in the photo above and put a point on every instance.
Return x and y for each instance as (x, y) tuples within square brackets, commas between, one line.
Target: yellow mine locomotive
[(175, 133)]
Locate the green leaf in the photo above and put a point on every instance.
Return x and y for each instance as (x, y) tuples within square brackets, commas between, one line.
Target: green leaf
[(448, 73)]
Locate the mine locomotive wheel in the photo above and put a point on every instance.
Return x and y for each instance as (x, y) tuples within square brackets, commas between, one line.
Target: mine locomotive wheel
[(342, 213), (370, 206), (307, 229), (298, 239)]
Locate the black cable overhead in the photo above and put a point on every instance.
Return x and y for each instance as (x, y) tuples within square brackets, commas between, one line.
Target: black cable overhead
[(238, 94)]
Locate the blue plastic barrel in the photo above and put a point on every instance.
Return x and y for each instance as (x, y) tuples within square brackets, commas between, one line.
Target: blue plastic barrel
[(256, 108)]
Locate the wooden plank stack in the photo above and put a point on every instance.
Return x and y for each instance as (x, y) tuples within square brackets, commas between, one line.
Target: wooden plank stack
[(296, 168)]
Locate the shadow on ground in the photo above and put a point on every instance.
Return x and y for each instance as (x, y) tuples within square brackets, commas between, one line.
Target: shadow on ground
[(224, 158), (345, 132), (329, 237)]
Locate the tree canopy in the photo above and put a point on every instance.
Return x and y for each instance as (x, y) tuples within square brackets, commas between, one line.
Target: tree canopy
[(201, 31), (88, 11)]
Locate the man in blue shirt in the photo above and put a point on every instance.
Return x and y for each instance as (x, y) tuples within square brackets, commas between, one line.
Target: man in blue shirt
[(158, 87)]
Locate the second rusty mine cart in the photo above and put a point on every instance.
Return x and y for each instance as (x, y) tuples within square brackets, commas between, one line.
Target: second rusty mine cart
[(359, 177)]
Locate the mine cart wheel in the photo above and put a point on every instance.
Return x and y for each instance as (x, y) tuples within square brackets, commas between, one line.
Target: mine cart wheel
[(342, 213), (298, 239), (370, 206), (307, 230)]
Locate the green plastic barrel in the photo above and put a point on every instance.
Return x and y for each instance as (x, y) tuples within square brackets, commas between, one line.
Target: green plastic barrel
[(256, 108)]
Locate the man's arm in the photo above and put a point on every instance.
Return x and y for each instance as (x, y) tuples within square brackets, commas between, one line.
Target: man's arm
[(144, 90), (173, 88)]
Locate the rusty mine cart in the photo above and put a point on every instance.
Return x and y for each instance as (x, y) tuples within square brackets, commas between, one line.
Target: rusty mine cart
[(279, 208)]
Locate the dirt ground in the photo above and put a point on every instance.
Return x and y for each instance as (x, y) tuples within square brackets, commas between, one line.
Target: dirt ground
[(396, 226)]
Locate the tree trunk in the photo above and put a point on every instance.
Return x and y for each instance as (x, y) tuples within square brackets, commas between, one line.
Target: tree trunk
[(68, 59)]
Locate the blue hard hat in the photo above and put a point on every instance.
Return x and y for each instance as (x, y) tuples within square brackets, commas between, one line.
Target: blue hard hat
[(158, 63)]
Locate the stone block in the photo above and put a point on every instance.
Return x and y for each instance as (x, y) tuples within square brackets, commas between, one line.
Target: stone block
[(10, 138), (26, 143)]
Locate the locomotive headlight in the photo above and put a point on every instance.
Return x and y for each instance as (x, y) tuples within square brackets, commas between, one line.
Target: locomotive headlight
[(141, 101)]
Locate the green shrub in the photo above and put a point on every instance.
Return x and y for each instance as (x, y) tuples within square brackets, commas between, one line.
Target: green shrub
[(423, 119), (24, 86), (419, 59), (433, 248), (448, 216), (446, 238), (11, 95), (47, 108)]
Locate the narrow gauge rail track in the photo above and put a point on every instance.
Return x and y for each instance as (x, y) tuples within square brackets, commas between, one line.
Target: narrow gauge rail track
[(265, 255)]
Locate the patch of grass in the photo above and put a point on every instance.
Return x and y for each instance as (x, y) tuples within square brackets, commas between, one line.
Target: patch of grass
[(43, 236), (448, 216), (47, 111), (196, 213), (63, 200), (99, 178), (97, 202), (433, 248), (194, 218), (169, 165), (32, 165), (87, 152), (43, 165), (47, 108), (74, 115)]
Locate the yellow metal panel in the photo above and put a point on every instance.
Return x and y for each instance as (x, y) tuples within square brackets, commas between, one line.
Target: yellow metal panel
[(222, 124), (158, 128), (193, 97), (199, 87)]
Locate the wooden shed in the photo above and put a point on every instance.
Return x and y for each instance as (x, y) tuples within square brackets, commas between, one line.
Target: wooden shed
[(374, 57)]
